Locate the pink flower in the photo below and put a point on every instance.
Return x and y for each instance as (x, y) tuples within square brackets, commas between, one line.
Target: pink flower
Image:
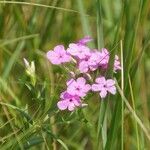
[(104, 58), (85, 40), (117, 65), (95, 59), (78, 87), (68, 102), (84, 65), (92, 62), (104, 86), (58, 55), (78, 51), (87, 65)]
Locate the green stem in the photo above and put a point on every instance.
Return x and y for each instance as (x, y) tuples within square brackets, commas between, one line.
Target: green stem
[(136, 127), (122, 103), (102, 114)]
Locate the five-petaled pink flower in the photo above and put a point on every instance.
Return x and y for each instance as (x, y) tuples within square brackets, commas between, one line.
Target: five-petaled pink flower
[(90, 63), (78, 87), (83, 64), (68, 102), (58, 55), (104, 86)]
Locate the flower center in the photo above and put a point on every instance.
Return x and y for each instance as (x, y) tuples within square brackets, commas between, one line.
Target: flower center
[(70, 100), (104, 86), (86, 59), (60, 56), (77, 88)]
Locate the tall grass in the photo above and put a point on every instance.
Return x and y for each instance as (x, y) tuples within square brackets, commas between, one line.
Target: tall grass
[(29, 118)]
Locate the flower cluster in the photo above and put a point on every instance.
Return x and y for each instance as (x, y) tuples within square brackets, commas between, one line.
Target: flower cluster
[(85, 61)]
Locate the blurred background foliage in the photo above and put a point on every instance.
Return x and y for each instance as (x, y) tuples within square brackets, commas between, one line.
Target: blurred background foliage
[(29, 118)]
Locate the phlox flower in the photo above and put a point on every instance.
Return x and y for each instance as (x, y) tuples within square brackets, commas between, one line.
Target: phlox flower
[(78, 51), (84, 40), (94, 60), (68, 102), (105, 60), (104, 86), (78, 87), (95, 57), (104, 54), (58, 55), (90, 63), (117, 65), (83, 64)]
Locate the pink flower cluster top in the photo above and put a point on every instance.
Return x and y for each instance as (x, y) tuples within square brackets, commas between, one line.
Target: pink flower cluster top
[(86, 62)]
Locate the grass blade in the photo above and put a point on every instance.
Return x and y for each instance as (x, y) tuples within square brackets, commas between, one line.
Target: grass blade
[(39, 5), (145, 130)]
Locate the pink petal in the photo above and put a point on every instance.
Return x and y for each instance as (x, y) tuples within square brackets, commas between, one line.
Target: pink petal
[(85, 40), (71, 90), (66, 58), (59, 49), (103, 93), (83, 67), (117, 65), (73, 49), (80, 51), (112, 90), (65, 95), (93, 68), (71, 106), (77, 103), (81, 81), (105, 51), (53, 57), (62, 95), (70, 82), (84, 52), (87, 87), (95, 58), (101, 80), (81, 94), (62, 104), (104, 57), (96, 87), (110, 82)]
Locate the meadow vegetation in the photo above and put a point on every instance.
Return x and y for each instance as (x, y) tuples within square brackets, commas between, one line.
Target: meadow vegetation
[(29, 116)]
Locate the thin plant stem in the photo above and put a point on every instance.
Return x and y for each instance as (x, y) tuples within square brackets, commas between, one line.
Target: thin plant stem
[(122, 104), (138, 120), (133, 102)]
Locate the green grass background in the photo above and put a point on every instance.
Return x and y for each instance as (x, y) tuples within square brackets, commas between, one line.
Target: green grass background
[(29, 118)]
